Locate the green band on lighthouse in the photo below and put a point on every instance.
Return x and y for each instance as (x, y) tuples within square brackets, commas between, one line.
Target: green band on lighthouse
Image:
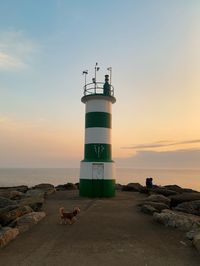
[(97, 188), (98, 119), (98, 152)]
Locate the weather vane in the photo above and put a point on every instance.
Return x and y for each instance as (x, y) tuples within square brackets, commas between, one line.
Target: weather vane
[(85, 72), (96, 68)]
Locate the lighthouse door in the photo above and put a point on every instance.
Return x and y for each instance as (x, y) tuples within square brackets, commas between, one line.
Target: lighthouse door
[(97, 178)]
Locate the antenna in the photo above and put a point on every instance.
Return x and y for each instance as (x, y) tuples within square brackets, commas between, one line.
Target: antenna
[(110, 73), (96, 68), (85, 72)]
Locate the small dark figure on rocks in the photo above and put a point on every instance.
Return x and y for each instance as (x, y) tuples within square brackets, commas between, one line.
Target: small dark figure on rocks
[(149, 182)]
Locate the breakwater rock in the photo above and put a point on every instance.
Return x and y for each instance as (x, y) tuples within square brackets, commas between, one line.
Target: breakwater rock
[(175, 207), (7, 234), (67, 186), (20, 209), (180, 220)]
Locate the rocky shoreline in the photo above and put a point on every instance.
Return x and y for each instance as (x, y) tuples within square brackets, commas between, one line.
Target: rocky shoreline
[(21, 207), (172, 206)]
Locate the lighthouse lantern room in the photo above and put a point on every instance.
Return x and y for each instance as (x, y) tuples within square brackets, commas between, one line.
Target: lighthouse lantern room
[(97, 169)]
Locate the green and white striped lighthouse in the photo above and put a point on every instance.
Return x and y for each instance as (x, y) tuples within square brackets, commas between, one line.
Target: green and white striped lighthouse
[(97, 170)]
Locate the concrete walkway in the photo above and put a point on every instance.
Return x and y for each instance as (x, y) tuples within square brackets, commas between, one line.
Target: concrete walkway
[(108, 232)]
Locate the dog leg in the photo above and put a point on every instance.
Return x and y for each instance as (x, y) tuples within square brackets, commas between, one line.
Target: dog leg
[(74, 220)]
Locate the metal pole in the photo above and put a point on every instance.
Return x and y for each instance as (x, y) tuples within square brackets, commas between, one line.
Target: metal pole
[(85, 72), (110, 76), (95, 77)]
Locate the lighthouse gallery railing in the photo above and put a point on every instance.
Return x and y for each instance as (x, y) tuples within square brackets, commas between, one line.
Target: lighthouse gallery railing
[(96, 88)]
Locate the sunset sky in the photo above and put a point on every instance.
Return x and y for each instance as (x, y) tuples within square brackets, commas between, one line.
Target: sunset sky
[(153, 47)]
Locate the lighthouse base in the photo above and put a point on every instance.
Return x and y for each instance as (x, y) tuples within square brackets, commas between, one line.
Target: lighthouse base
[(96, 188), (97, 179)]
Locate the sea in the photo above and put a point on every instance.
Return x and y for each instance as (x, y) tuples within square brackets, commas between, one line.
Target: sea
[(31, 176)]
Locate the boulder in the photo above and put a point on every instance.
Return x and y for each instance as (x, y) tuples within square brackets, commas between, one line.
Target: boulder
[(144, 190), (158, 198), (22, 189), (189, 190), (180, 189), (5, 193), (16, 195), (163, 191), (38, 193), (10, 213), (190, 235), (7, 234), (159, 206), (192, 207), (196, 241), (35, 203), (184, 197), (182, 221), (4, 211), (135, 187), (4, 202), (25, 222), (118, 186), (68, 186), (11, 193), (60, 187), (174, 188), (47, 188), (148, 209)]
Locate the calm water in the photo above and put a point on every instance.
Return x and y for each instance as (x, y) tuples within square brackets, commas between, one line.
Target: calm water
[(33, 176)]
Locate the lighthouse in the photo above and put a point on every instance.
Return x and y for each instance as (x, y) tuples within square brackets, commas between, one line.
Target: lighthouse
[(97, 169)]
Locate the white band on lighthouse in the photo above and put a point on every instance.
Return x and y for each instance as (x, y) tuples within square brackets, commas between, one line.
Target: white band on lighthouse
[(99, 106), (97, 135), (87, 173)]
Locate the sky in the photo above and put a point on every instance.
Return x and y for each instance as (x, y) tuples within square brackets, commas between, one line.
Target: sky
[(153, 49)]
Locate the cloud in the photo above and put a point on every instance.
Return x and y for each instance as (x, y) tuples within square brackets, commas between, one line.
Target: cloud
[(161, 144), (183, 158), (10, 62), (189, 141), (16, 50), (164, 154)]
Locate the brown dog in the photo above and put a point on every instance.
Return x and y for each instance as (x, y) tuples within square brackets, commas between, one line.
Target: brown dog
[(68, 216)]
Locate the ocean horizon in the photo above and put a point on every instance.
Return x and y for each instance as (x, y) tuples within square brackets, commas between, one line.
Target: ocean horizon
[(188, 178)]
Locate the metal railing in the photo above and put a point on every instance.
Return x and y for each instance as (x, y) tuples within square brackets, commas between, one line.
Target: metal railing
[(97, 88)]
